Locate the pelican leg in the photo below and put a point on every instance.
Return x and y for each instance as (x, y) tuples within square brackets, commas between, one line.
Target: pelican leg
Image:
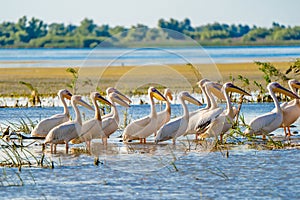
[(221, 138), (174, 141), (284, 128), (104, 141), (141, 140), (88, 146), (51, 147), (289, 132), (144, 140), (67, 147)]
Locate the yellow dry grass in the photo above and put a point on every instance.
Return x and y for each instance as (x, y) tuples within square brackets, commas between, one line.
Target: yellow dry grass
[(49, 80)]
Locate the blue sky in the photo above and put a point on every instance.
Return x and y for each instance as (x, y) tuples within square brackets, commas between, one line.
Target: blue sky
[(131, 12)]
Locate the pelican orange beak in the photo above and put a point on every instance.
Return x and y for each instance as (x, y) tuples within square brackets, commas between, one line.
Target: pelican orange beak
[(294, 83), (278, 88), (68, 95), (156, 94), (232, 88), (216, 89), (123, 97), (168, 94), (102, 99), (191, 99), (83, 103), (119, 100)]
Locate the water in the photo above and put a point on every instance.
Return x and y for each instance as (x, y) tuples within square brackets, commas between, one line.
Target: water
[(145, 172), (142, 56)]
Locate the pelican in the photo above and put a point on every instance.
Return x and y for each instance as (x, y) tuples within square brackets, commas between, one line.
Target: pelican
[(114, 111), (44, 126), (142, 128), (67, 131), (224, 121), (267, 123), (291, 110), (92, 128), (110, 122), (202, 117), (177, 127), (165, 115)]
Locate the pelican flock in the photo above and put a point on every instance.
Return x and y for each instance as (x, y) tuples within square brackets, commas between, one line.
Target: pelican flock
[(177, 127), (211, 121), (267, 123), (140, 129), (44, 126), (67, 131)]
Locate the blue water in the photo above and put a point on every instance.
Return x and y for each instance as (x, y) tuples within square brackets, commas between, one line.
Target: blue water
[(142, 56), (146, 172)]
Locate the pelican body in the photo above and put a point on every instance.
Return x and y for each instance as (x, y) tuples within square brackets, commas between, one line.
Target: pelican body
[(224, 121), (202, 117), (177, 127), (110, 122), (268, 122), (44, 126), (92, 128), (291, 110), (67, 131), (144, 127)]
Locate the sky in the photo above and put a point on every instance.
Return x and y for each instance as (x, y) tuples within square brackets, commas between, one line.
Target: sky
[(148, 12)]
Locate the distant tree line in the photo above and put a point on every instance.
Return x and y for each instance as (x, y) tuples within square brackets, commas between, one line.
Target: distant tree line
[(34, 33)]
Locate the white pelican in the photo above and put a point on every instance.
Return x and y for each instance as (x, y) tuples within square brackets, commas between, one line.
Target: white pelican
[(265, 124), (110, 122), (165, 115), (92, 128), (202, 117), (44, 126), (224, 121), (177, 127), (67, 131), (144, 127), (114, 111), (291, 110)]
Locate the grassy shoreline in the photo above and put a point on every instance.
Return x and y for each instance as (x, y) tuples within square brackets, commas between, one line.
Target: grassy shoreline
[(49, 80)]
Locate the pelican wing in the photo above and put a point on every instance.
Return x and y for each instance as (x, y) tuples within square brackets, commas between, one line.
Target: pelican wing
[(109, 126), (206, 119), (62, 133), (162, 118), (133, 129), (44, 126), (90, 129), (169, 130), (265, 124)]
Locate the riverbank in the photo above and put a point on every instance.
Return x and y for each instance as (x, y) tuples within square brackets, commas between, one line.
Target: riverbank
[(49, 80)]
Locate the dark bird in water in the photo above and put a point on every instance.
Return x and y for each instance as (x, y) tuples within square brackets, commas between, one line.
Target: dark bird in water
[(6, 134)]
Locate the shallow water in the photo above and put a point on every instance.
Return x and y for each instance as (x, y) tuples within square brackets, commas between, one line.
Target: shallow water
[(146, 171)]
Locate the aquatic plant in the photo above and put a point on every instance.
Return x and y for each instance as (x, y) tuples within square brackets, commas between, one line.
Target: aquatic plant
[(35, 99)]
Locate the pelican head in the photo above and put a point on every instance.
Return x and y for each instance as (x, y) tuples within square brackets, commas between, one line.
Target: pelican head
[(294, 84), (122, 96), (276, 87), (64, 93), (78, 100), (229, 87), (186, 96), (97, 96), (168, 94), (118, 99), (215, 88), (202, 82), (156, 94)]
